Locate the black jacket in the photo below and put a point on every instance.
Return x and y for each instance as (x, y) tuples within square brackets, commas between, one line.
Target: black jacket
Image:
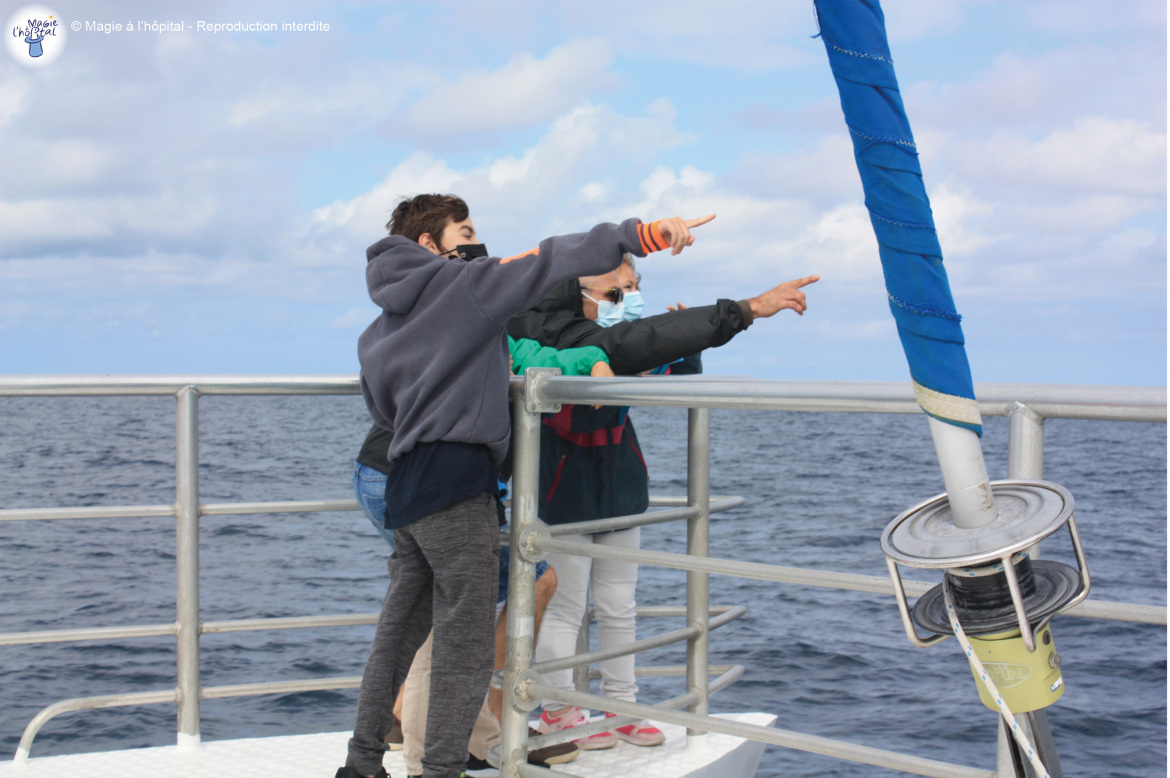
[(632, 346), (591, 465)]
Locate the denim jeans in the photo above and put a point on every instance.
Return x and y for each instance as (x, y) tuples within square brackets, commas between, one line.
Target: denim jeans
[(369, 486)]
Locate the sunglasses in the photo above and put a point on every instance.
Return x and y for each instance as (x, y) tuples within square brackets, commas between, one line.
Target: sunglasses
[(611, 293)]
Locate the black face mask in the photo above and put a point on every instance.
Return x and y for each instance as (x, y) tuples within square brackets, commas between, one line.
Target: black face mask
[(468, 251)]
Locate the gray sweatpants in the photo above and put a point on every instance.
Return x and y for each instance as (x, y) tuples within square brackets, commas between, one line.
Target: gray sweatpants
[(444, 573)]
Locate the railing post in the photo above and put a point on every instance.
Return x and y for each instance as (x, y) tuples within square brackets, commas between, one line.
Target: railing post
[(521, 584), (1026, 460), (187, 563), (1025, 442), (1025, 448), (698, 544), (581, 674)]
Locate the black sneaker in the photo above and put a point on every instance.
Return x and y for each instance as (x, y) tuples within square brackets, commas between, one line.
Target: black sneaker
[(476, 767), (554, 754), (475, 763), (349, 772)]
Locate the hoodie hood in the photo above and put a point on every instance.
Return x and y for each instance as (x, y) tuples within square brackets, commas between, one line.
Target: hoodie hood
[(398, 270), (565, 296)]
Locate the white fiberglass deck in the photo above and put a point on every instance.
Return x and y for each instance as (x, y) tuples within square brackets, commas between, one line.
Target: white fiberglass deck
[(319, 756)]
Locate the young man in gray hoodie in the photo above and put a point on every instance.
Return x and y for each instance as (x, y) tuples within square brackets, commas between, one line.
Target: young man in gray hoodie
[(435, 372)]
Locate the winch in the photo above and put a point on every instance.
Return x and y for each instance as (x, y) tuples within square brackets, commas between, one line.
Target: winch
[(995, 596)]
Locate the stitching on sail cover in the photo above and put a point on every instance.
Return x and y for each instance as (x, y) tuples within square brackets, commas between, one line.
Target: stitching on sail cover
[(863, 55), (898, 141), (910, 225), (924, 310)]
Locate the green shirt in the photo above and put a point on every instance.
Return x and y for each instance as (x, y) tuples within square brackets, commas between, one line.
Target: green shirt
[(572, 361)]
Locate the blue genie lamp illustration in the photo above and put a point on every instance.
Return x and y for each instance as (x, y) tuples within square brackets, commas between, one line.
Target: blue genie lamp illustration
[(34, 45)]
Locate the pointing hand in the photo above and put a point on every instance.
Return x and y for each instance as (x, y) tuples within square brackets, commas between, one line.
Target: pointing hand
[(786, 295), (677, 232)]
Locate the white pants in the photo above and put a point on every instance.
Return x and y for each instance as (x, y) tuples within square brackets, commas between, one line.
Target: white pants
[(613, 604)]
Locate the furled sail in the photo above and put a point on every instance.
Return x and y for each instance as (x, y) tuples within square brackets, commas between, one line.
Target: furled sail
[(854, 34)]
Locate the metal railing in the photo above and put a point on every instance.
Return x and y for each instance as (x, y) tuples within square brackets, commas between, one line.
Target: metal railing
[(1026, 406)]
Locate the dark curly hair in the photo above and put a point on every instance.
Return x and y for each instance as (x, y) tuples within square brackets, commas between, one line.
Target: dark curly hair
[(426, 214)]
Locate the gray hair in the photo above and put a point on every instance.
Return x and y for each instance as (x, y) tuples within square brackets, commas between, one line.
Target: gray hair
[(628, 260)]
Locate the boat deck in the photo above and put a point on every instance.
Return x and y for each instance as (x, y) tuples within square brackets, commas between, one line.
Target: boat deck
[(319, 756)]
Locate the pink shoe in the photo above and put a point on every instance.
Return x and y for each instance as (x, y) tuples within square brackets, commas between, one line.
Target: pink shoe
[(572, 717), (597, 742), (569, 717), (641, 734)]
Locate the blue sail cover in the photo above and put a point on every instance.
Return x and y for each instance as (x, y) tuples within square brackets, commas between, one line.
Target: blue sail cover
[(854, 33)]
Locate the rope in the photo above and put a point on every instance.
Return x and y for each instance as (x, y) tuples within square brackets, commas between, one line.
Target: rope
[(1017, 733)]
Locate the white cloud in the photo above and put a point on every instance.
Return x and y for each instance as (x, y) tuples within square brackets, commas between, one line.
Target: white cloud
[(825, 173), (168, 165), (1094, 18), (417, 173), (519, 192), (909, 20), (168, 217), (960, 220), (1031, 94), (523, 92), (13, 91), (1099, 154), (746, 36)]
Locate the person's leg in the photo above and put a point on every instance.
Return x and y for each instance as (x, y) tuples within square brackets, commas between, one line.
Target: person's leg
[(402, 628), (462, 544), (485, 733), (546, 586), (557, 637), (416, 694), (562, 625), (614, 585), (614, 605), (369, 487)]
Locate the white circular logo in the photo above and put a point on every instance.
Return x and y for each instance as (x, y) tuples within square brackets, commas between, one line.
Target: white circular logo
[(35, 36)]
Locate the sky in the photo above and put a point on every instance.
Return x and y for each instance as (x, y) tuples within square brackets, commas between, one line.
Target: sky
[(192, 201)]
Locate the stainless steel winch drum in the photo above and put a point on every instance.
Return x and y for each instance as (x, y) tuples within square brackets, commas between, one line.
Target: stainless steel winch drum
[(925, 536)]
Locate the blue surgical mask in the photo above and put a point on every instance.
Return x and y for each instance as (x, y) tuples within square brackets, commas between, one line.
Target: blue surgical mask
[(633, 303), (608, 314)]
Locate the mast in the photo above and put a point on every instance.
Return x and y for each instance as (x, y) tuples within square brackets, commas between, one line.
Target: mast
[(917, 288), (994, 597)]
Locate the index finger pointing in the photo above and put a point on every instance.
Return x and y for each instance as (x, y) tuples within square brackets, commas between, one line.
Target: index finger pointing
[(805, 281), (698, 222)]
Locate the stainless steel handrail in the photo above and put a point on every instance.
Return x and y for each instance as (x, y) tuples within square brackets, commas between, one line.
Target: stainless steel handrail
[(1026, 405), (1052, 401), (291, 506), (544, 391)]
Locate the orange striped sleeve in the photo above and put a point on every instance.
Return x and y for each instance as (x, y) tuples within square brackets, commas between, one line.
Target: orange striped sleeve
[(651, 238), (533, 253)]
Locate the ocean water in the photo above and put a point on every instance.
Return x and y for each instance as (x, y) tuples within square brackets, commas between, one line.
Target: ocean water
[(820, 488)]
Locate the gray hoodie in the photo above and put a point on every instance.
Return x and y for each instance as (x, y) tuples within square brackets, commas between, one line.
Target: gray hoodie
[(435, 362)]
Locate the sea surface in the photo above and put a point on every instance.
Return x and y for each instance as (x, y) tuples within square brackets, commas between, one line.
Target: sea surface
[(820, 488)]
